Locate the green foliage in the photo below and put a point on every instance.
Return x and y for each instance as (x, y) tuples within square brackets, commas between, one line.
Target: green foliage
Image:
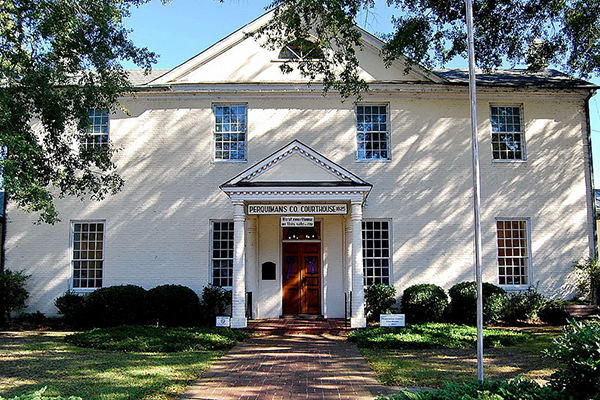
[(553, 312), (432, 336), (215, 301), (524, 305), (432, 32), (463, 303), (379, 299), (71, 306), (424, 303), (588, 283), (39, 395), (174, 305), (485, 390), (59, 59), (157, 339), (12, 292), (117, 305), (578, 352)]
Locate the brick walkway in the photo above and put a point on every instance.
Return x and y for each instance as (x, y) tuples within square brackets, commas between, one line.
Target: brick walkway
[(301, 366)]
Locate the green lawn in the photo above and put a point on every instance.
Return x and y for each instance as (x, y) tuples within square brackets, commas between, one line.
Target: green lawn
[(33, 360)]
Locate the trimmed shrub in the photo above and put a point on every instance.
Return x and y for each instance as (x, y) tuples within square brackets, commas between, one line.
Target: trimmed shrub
[(578, 353), (424, 303), (71, 306), (524, 305), (12, 292), (519, 389), (39, 395), (174, 305), (463, 303), (117, 305), (553, 313), (215, 301), (379, 299)]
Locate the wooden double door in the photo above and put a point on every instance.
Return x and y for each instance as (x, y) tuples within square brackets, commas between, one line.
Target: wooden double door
[(301, 278)]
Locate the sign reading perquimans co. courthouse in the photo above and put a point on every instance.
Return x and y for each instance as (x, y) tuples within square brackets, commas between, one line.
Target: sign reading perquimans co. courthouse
[(296, 209)]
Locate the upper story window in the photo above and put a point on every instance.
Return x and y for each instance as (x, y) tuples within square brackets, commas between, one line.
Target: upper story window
[(98, 128), (230, 132), (372, 132), (301, 49), (513, 251), (508, 138)]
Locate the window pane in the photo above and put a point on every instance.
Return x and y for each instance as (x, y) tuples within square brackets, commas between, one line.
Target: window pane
[(512, 252), (230, 119), (87, 273), (507, 138), (372, 132), (222, 254), (376, 252)]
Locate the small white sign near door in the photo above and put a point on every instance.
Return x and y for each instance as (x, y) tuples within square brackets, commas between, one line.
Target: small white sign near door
[(391, 320), (307, 222), (223, 322)]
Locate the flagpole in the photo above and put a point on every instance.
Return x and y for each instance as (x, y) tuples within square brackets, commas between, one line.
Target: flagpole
[(476, 187)]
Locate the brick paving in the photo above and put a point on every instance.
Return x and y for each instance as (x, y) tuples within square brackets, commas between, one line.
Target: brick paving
[(291, 366)]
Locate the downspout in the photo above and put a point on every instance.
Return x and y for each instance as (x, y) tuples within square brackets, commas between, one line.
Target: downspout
[(3, 237), (594, 252)]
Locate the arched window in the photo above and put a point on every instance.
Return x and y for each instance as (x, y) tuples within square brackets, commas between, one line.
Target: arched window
[(301, 49)]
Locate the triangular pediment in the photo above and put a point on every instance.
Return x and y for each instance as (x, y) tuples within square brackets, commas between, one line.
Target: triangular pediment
[(239, 58), (296, 165)]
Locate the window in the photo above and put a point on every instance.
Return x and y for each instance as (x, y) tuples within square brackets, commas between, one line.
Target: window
[(301, 49), (222, 253), (372, 132), (507, 133), (230, 132), (376, 252), (513, 251), (87, 243), (98, 128)]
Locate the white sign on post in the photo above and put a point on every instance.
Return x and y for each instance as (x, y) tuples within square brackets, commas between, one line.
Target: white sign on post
[(223, 322), (391, 320)]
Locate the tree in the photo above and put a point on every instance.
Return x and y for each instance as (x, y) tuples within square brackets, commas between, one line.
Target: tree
[(58, 60), (430, 33)]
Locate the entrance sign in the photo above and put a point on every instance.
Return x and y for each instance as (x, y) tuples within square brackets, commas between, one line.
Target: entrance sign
[(305, 222), (392, 320), (297, 209), (223, 322)]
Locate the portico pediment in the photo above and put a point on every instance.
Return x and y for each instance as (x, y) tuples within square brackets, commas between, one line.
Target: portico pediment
[(296, 172)]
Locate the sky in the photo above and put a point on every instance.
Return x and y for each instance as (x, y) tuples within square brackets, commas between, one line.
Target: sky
[(184, 28)]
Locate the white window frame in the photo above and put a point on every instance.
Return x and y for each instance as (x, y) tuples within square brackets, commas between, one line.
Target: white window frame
[(521, 132), (528, 257), (215, 133), (98, 128), (74, 260), (389, 257), (211, 255), (358, 132)]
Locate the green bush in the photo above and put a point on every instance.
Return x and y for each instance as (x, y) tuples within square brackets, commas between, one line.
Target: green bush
[(157, 339), (215, 301), (71, 306), (486, 390), (117, 305), (553, 312), (588, 280), (433, 336), (577, 351), (12, 292), (424, 303), (39, 395), (174, 305), (524, 305), (379, 299), (463, 303)]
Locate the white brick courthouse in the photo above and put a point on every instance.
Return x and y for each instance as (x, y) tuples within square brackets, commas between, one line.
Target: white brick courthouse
[(243, 177)]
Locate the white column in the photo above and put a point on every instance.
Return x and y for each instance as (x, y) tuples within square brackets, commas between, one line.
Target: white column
[(252, 267), (238, 306), (358, 319)]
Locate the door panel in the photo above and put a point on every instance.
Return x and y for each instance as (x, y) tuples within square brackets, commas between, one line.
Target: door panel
[(301, 278)]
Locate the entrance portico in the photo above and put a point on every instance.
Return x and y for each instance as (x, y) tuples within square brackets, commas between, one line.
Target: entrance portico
[(313, 273)]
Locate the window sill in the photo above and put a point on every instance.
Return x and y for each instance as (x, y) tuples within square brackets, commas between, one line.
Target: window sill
[(374, 160), (509, 161), (514, 288), (83, 290), (230, 161)]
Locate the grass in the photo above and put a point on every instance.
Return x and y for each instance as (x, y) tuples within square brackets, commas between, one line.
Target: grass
[(30, 361), (432, 367)]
